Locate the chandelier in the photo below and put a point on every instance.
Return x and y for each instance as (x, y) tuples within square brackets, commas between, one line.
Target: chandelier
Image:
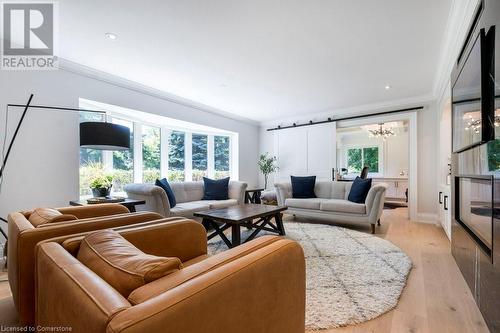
[(381, 132), (475, 124)]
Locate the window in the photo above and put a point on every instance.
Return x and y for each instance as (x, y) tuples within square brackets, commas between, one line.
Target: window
[(357, 158), (176, 156), (221, 157), (123, 161), (200, 156), (493, 153), (159, 147), (151, 154), (91, 160)]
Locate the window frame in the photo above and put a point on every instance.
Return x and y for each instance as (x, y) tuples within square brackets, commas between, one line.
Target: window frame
[(380, 147), (165, 132)]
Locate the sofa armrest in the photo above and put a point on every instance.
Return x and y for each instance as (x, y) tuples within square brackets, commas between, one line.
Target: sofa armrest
[(21, 258), (276, 274), (170, 237), (375, 202), (283, 192), (84, 212), (155, 197), (237, 191), (71, 295)]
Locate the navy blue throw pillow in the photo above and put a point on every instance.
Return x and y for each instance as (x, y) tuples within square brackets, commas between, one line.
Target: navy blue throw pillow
[(359, 190), (303, 187), (216, 189), (166, 187)]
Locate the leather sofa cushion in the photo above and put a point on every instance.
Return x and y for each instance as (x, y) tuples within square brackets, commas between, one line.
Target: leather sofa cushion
[(41, 216), (342, 206), (120, 263), (303, 203)]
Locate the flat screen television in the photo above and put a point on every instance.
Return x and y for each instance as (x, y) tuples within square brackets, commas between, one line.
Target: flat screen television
[(473, 96)]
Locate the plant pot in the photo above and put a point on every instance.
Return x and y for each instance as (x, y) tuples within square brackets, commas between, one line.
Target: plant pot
[(101, 192)]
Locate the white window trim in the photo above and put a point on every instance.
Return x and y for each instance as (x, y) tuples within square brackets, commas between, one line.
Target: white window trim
[(164, 151), (165, 132), (210, 156), (188, 156)]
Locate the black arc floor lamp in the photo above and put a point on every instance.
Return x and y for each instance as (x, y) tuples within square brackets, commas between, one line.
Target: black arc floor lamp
[(93, 135)]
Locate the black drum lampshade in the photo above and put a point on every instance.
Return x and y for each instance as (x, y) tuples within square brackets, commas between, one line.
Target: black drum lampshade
[(104, 136)]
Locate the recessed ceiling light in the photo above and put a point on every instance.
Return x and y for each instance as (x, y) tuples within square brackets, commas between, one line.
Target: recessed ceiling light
[(387, 87), (110, 35)]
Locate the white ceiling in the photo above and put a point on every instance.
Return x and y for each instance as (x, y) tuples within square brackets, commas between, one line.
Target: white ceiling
[(263, 59)]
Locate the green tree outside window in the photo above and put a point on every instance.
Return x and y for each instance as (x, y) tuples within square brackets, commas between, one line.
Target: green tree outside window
[(357, 158)]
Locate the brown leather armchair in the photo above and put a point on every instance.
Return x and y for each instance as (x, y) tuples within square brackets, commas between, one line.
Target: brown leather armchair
[(255, 287), (23, 237)]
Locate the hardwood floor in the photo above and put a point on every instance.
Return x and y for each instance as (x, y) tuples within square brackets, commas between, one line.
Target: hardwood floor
[(436, 298)]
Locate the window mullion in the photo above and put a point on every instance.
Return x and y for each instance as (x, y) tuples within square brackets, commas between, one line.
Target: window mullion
[(211, 156), (137, 153), (188, 156), (164, 151)]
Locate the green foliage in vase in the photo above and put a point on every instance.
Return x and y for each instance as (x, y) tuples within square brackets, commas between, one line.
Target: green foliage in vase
[(267, 165)]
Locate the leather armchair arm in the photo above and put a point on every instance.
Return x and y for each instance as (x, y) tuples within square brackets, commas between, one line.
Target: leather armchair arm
[(69, 294), (21, 255), (85, 212), (238, 296), (283, 192), (167, 237), (237, 191), (170, 237), (155, 197)]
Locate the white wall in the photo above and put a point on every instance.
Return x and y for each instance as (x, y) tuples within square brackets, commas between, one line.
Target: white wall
[(426, 156), (43, 166), (305, 151)]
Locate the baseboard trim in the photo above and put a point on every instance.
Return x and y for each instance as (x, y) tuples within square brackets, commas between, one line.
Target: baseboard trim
[(427, 218)]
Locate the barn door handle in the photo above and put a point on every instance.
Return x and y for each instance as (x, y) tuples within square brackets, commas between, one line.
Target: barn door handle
[(440, 198), (445, 202)]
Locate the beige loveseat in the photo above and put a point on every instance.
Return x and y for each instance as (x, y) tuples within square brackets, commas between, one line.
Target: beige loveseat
[(188, 196), (332, 203)]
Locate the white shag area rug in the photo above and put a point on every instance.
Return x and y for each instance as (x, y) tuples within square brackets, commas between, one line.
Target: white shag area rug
[(351, 277)]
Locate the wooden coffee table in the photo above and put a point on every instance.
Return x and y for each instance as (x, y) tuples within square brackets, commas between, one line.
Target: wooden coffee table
[(235, 217)]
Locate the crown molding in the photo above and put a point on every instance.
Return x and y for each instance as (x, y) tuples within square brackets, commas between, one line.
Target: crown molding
[(118, 81), (461, 14), (366, 109)]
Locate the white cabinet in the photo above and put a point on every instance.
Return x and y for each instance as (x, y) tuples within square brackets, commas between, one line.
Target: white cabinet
[(444, 199), (396, 188)]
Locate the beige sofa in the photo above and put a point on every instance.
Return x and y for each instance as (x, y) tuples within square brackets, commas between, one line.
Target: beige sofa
[(188, 196), (332, 203)]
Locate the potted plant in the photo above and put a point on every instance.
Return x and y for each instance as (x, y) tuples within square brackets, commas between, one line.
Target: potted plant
[(267, 165), (101, 185)]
